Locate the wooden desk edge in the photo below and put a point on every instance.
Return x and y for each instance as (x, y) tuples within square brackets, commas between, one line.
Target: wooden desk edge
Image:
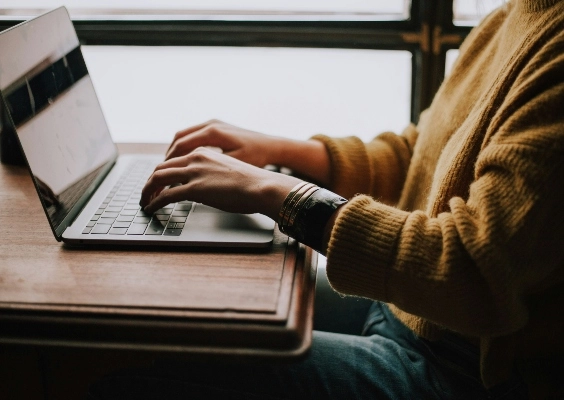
[(181, 335)]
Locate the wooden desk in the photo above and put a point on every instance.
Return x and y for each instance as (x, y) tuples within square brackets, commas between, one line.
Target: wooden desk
[(162, 300)]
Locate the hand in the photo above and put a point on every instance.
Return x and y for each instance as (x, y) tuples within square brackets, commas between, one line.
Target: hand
[(305, 157), (217, 180), (251, 147)]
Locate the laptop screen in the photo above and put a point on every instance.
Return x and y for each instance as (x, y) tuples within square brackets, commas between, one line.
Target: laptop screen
[(49, 99)]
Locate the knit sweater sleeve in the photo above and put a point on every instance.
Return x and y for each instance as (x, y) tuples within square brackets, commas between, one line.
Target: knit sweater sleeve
[(471, 267), (377, 168)]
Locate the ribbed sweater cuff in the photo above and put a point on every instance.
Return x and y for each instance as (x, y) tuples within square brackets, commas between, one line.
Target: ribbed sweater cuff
[(363, 247), (350, 168)]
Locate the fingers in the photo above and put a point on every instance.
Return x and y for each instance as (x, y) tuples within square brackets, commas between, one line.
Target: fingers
[(166, 196), (189, 139), (193, 129), (157, 183)]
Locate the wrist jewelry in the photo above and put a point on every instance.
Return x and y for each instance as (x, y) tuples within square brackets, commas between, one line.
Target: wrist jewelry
[(291, 199), (306, 211)]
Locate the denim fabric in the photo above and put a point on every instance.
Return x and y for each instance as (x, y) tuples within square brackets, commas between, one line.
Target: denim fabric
[(383, 361)]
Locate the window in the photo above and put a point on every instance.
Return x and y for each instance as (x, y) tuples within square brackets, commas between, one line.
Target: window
[(286, 67), (451, 56), (352, 10), (465, 15), (149, 93), (291, 68), (470, 12)]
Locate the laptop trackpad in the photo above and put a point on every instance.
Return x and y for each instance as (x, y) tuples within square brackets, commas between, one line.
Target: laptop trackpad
[(205, 217)]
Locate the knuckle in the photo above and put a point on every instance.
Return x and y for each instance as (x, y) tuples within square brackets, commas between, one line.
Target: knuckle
[(198, 154), (213, 131), (158, 175)]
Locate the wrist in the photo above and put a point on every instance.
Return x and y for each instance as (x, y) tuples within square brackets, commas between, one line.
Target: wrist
[(273, 192), (307, 158), (308, 214), (283, 150)]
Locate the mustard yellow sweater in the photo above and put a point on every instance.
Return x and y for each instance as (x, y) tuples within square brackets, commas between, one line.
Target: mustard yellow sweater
[(459, 221)]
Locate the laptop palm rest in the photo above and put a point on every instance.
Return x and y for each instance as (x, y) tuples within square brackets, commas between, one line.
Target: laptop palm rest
[(207, 223)]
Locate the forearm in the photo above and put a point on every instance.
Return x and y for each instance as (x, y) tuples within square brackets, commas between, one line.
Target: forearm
[(305, 158)]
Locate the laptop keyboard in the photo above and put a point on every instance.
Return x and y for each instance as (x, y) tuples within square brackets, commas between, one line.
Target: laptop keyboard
[(120, 214)]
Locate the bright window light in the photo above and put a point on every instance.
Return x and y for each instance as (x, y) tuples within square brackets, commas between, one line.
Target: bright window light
[(224, 9), (149, 93)]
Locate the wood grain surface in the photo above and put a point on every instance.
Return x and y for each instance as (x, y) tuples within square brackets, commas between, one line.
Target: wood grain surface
[(42, 279)]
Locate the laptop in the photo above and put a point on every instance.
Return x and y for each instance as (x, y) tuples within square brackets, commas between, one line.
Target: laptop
[(89, 192)]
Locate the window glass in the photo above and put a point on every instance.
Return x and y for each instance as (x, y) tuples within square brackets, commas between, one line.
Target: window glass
[(223, 9), (470, 12), (451, 56), (149, 93)]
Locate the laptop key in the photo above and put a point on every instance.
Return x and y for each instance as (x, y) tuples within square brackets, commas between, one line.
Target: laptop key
[(137, 229), (121, 224), (125, 218), (100, 229), (172, 232), (109, 214), (183, 207), (128, 212), (178, 219), (181, 213), (142, 220), (106, 220), (118, 231), (87, 229), (155, 228)]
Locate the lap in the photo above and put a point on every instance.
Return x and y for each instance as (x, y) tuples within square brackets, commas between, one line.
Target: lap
[(377, 365), (370, 355), (334, 312), (337, 367)]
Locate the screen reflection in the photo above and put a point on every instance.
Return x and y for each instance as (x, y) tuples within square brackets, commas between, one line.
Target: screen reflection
[(50, 102)]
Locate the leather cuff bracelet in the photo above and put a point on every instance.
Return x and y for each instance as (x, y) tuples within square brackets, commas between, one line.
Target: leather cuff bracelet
[(305, 213)]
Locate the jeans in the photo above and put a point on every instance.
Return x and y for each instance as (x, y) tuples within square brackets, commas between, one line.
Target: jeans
[(370, 356)]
